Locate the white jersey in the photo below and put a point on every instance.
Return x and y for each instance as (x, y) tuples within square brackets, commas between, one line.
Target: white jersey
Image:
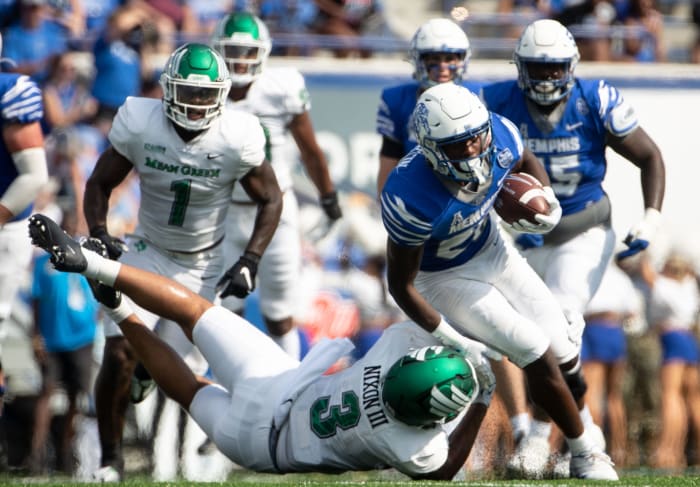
[(277, 96), (339, 422), (185, 186)]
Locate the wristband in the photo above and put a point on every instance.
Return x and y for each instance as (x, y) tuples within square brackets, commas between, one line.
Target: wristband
[(120, 313), (448, 335)]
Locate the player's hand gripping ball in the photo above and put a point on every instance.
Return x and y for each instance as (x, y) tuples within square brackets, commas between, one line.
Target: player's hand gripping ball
[(521, 198)]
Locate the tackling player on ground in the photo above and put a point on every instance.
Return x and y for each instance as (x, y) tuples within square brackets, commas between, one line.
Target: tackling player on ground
[(410, 403)]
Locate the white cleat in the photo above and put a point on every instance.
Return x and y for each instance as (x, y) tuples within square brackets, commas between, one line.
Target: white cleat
[(107, 474), (593, 465), (531, 458)]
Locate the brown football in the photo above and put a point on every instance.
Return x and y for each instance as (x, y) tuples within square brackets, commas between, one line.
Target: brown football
[(522, 197)]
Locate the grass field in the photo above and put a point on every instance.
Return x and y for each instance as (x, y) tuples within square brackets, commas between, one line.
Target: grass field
[(384, 479)]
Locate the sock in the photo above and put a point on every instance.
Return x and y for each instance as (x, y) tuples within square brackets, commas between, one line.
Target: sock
[(289, 342), (580, 445), (100, 269), (540, 428), (520, 425), (586, 417)]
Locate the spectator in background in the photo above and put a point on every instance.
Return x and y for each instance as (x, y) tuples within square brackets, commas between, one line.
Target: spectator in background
[(673, 313), (118, 60), (589, 21), (33, 39), (288, 17), (65, 313), (695, 52), (97, 14), (348, 19), (644, 42), (603, 355), (207, 13), (67, 99)]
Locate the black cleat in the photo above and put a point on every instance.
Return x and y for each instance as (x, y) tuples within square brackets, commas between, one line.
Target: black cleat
[(104, 294), (65, 252)]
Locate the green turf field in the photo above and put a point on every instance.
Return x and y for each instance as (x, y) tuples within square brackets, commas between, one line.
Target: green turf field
[(385, 479)]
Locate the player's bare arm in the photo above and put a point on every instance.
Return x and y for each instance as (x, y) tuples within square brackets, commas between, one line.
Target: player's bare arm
[(312, 156), (460, 443), (640, 150), (403, 264), (110, 170), (261, 185), (19, 138)]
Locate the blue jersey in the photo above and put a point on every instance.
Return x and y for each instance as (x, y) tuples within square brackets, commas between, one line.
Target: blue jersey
[(574, 151), (418, 208), (395, 109), (20, 102)]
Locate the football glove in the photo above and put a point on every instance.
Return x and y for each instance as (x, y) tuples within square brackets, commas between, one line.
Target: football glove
[(330, 206), (640, 235), (239, 280), (545, 222), (115, 246)]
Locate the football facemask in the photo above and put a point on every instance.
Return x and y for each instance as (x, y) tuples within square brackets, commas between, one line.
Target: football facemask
[(546, 42), (438, 36), (195, 84)]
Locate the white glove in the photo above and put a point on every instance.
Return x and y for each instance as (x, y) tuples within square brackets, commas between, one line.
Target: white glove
[(546, 221), (576, 327), (640, 235)]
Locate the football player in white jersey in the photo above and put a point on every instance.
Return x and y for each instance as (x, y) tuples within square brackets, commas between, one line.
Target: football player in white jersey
[(410, 403), (23, 172), (278, 96), (189, 152)]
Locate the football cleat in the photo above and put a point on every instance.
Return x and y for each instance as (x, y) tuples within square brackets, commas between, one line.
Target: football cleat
[(65, 252), (107, 474), (593, 465), (530, 460)]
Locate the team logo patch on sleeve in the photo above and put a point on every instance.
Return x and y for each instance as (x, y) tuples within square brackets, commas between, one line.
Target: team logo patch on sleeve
[(504, 158)]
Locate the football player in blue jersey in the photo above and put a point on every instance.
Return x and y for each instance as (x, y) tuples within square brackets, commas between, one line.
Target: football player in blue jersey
[(568, 123), (452, 272), (440, 53), (23, 172)]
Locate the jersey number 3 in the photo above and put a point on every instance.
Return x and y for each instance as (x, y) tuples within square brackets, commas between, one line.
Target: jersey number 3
[(327, 418)]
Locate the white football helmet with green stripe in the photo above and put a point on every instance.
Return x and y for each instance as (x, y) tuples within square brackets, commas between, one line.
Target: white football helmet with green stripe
[(244, 41), (195, 86)]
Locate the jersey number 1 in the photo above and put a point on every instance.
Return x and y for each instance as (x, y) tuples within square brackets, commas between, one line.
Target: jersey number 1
[(181, 188)]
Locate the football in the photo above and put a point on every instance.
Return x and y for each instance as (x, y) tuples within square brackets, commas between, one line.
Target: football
[(522, 197)]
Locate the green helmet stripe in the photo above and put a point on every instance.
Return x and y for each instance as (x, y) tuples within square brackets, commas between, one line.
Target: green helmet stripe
[(242, 22), (197, 59)]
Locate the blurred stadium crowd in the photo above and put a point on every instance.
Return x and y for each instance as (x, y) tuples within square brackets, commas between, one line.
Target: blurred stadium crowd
[(89, 55)]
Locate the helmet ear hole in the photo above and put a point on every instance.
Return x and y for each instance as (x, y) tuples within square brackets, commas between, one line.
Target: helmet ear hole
[(429, 385)]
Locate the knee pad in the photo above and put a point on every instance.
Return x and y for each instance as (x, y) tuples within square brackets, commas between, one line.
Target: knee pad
[(577, 384)]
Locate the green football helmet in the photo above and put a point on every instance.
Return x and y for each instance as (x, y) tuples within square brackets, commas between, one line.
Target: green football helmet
[(429, 385), (244, 41), (195, 85)]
